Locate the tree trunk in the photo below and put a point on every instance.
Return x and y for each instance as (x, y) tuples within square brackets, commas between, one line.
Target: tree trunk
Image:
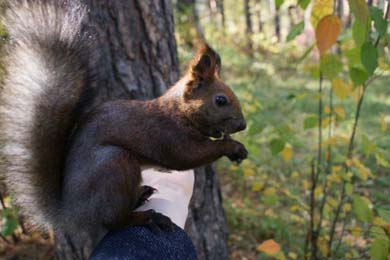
[(221, 10), (248, 27), (277, 25), (188, 9), (137, 58), (259, 16), (206, 223)]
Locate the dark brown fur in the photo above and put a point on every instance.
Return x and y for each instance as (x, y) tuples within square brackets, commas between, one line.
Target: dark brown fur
[(85, 173)]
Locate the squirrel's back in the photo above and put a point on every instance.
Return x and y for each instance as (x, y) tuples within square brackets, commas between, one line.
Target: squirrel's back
[(46, 73)]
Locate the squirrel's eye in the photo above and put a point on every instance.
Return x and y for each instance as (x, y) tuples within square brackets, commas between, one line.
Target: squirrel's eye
[(221, 101)]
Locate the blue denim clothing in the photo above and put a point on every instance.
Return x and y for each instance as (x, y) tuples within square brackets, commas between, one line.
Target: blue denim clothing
[(138, 243)]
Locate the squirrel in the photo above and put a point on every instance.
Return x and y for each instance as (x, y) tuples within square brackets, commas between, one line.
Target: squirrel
[(75, 171)]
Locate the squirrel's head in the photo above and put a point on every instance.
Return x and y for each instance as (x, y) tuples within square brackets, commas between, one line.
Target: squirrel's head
[(209, 103)]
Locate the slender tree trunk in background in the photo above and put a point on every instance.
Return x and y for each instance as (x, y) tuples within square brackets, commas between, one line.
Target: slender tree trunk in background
[(189, 8), (340, 9), (221, 10), (275, 12), (198, 25), (248, 27), (369, 2), (277, 25), (259, 17), (137, 58)]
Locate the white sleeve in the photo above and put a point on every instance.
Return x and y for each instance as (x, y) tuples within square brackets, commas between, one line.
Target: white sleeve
[(173, 195)]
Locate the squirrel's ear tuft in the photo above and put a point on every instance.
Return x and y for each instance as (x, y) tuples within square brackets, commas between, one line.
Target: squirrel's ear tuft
[(206, 64)]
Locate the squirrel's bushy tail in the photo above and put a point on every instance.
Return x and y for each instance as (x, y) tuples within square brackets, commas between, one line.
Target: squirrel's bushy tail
[(46, 73)]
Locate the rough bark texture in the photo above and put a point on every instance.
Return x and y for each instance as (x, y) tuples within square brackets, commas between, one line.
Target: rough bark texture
[(206, 223), (137, 58)]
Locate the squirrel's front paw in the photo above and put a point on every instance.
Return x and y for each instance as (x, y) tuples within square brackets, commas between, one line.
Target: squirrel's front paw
[(237, 152)]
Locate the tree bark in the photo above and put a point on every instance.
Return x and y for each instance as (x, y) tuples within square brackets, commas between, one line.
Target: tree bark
[(248, 27), (137, 58), (206, 223)]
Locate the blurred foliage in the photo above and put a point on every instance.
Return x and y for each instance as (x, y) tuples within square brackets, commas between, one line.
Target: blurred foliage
[(288, 201)]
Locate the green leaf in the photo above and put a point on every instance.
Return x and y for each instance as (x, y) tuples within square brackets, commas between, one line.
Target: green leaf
[(331, 66), (271, 199), (380, 23), (376, 231), (348, 189), (361, 208), (358, 76), (360, 9), (368, 146), (10, 225), (310, 122), (295, 31), (385, 214), (277, 145), (353, 56), (303, 3), (379, 249), (382, 161), (256, 127), (360, 32), (278, 3), (369, 57)]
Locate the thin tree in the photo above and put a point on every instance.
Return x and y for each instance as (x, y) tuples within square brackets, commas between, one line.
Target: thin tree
[(248, 27)]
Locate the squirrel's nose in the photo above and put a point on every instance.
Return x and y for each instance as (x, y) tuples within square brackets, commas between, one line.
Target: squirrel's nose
[(241, 125)]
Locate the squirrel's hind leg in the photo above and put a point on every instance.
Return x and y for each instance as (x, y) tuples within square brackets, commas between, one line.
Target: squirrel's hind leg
[(127, 194)]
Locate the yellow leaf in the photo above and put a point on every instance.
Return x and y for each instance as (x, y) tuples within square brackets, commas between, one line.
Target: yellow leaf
[(327, 31), (325, 122), (377, 221), (306, 184), (257, 186), (348, 256), (334, 178), (320, 9), (318, 192), (336, 169), (293, 255), (347, 207), (287, 153), (383, 123), (349, 162), (339, 111), (340, 88), (295, 208), (356, 231), (332, 202), (323, 245), (234, 167), (269, 191), (295, 175), (363, 171), (329, 141), (327, 109), (248, 172), (270, 247)]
